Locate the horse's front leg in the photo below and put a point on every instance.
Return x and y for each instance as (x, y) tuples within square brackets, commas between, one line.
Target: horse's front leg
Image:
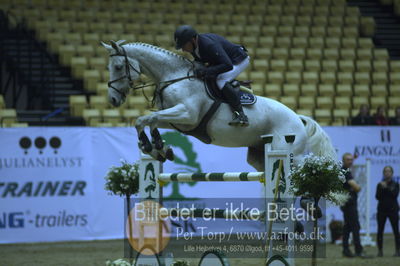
[(177, 114)]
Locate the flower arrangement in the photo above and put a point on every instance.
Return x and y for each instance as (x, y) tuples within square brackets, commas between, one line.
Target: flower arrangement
[(123, 180), (318, 177)]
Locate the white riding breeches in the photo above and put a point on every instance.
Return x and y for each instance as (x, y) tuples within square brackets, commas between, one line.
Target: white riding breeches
[(233, 73)]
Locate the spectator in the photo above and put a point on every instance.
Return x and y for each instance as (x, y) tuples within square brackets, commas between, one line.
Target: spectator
[(363, 118), (380, 117), (395, 121), (350, 212), (386, 194)]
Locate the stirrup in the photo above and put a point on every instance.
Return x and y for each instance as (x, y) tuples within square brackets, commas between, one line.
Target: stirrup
[(240, 119)]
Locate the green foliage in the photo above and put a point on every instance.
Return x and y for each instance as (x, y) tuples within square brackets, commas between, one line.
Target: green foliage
[(123, 180), (319, 177)]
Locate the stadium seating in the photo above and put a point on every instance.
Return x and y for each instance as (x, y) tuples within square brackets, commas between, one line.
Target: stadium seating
[(316, 56)]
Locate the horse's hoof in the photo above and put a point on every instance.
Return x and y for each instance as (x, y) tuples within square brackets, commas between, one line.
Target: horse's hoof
[(169, 154), (158, 145), (161, 158)]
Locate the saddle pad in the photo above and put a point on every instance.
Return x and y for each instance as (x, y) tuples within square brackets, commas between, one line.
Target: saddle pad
[(215, 93)]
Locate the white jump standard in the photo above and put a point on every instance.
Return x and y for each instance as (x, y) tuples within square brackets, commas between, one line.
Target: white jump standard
[(278, 163)]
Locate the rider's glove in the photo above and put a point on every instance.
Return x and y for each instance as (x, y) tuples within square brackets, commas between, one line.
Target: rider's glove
[(200, 72)]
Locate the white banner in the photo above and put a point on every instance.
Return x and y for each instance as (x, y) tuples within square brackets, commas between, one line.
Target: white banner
[(52, 179)]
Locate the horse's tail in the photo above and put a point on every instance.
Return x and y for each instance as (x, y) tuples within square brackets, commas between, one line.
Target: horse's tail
[(318, 141)]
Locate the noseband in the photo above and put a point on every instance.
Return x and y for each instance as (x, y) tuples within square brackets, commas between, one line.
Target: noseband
[(127, 73)]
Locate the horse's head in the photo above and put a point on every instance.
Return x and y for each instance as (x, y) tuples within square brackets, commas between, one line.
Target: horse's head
[(123, 72)]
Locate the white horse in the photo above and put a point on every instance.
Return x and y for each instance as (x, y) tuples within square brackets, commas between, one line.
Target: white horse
[(184, 103)]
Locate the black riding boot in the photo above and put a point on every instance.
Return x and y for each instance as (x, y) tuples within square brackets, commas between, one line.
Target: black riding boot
[(232, 97)]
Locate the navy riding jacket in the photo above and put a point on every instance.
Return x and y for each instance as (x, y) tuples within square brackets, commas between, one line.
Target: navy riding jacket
[(219, 53)]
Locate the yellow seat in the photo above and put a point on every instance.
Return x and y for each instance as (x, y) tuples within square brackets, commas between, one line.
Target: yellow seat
[(328, 77), (379, 90), (66, 52), (137, 102), (394, 90), (263, 53), (112, 116), (362, 78), (269, 30), (334, 32), (91, 78), (365, 43), (324, 102), (280, 53), (273, 90), (350, 32), (78, 65), (378, 101), (85, 51), (260, 65), (297, 53), (103, 124), (344, 90), (380, 78), (326, 90), (7, 117), (314, 54), (312, 65), (258, 89), (301, 31), (368, 26), (272, 20), (289, 101), (311, 77), (291, 90), (333, 42), (342, 102), (275, 77), (381, 54), (395, 65), (266, 41), (278, 65), (381, 65), (284, 42), (345, 78), (306, 112), (250, 41), (18, 125), (77, 104), (346, 66), (320, 20), (323, 116), (2, 103), (329, 65), (361, 90), (299, 42), (285, 31), (295, 65), (303, 20), (306, 102), (102, 89), (394, 78), (331, 54), (364, 54), (341, 114), (98, 102), (348, 54), (363, 65), (309, 89), (293, 77), (394, 102), (288, 20), (349, 43), (91, 117), (360, 100)]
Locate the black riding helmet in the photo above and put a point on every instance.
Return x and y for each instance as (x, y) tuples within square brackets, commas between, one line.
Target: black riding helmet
[(183, 34)]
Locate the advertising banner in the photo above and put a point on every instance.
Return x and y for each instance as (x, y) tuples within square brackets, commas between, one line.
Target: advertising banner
[(52, 179)]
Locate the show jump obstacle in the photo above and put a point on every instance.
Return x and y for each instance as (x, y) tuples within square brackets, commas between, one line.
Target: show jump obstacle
[(275, 180)]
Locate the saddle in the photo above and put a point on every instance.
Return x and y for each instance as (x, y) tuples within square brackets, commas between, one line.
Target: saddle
[(246, 98), (244, 88)]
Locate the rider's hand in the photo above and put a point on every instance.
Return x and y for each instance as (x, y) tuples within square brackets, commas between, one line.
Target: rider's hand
[(200, 72)]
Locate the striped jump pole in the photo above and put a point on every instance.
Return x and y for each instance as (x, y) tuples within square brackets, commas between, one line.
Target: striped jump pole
[(278, 163), (226, 176)]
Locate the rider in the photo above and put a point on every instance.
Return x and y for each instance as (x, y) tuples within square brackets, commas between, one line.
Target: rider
[(225, 62)]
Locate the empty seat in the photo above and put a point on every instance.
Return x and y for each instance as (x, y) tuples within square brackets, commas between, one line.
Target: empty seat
[(293, 77), (328, 77), (395, 65), (291, 90), (92, 117), (362, 78), (344, 90), (289, 101), (295, 65), (306, 112), (260, 65), (394, 90), (309, 89), (345, 78), (360, 100), (326, 89), (380, 54), (311, 77), (111, 116), (380, 78), (323, 116), (329, 65), (258, 77), (137, 102), (379, 90), (98, 102), (273, 90), (361, 90), (324, 102), (278, 65), (306, 102), (394, 78), (342, 102), (312, 65), (341, 114), (275, 77), (381, 65), (394, 102), (378, 101), (7, 117)]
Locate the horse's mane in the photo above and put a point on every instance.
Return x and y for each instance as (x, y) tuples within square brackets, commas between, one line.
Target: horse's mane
[(162, 50)]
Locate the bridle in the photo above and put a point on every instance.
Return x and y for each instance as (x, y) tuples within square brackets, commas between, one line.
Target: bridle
[(127, 73), (159, 86)]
